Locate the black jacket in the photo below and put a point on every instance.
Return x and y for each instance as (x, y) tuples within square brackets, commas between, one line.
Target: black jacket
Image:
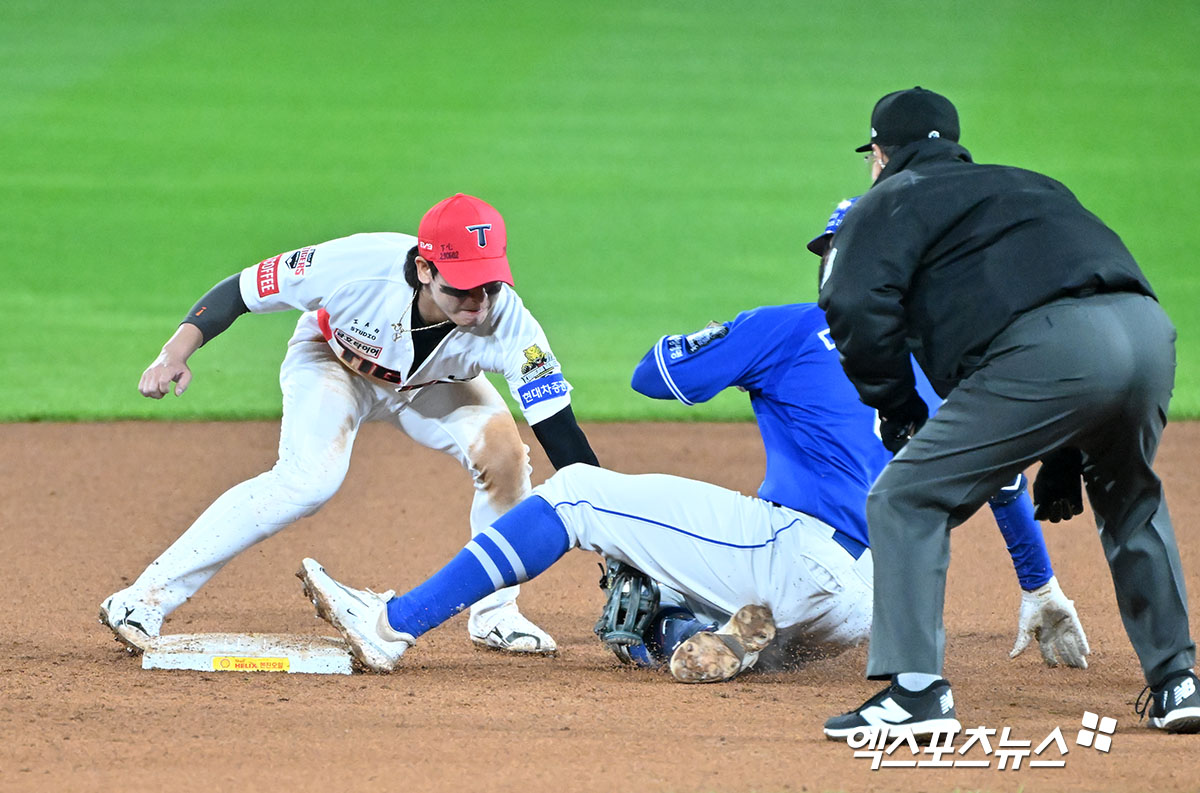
[(941, 254)]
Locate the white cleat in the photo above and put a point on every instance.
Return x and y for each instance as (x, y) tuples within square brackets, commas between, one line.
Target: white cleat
[(359, 614), (133, 622), (711, 657), (505, 628)]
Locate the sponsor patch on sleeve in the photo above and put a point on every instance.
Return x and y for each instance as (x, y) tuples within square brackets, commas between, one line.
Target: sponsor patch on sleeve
[(542, 389), (300, 260), (711, 332), (268, 276), (674, 348), (538, 363)]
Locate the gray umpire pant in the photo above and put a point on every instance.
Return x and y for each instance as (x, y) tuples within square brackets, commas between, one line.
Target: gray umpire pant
[(1095, 373)]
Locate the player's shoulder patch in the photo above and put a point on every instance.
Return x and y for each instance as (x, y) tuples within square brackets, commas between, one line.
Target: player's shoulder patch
[(266, 276), (710, 333), (301, 260), (538, 363), (543, 389)]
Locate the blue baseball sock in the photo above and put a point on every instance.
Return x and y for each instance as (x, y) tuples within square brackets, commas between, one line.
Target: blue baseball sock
[(672, 626), (675, 629), (520, 545), (1023, 535)]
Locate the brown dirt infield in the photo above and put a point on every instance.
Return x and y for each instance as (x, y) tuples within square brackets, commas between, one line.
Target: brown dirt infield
[(86, 507)]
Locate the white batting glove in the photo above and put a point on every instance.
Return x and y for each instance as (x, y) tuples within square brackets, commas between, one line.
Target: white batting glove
[(1047, 615)]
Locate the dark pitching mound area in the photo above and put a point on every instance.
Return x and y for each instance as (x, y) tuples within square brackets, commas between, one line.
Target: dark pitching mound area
[(86, 507)]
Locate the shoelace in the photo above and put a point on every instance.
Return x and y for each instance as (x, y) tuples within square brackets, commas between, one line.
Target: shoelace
[(1140, 707)]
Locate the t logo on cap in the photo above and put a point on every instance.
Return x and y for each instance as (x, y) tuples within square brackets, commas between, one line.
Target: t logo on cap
[(914, 114), (464, 237), (481, 229)]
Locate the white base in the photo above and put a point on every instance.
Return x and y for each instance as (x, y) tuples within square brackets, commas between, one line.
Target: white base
[(248, 652)]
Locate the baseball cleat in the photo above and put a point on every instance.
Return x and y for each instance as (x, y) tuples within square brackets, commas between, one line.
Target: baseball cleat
[(1175, 707), (134, 623), (709, 657), (505, 628), (921, 713), (359, 614)]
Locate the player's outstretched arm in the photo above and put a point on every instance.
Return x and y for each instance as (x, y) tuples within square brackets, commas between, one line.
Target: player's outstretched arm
[(1046, 613), (563, 440), (212, 314), (694, 368), (170, 367)]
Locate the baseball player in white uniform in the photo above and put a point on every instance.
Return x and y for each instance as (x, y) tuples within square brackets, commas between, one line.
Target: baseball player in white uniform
[(396, 329)]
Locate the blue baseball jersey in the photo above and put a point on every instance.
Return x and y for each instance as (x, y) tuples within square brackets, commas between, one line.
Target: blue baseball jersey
[(823, 452)]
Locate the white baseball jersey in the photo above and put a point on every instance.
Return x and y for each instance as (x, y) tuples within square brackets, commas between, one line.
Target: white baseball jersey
[(354, 295)]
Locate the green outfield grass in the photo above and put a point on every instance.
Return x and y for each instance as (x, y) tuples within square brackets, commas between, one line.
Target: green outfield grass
[(659, 164)]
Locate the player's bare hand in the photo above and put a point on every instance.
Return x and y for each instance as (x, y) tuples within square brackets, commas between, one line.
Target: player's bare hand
[(170, 371), (163, 375), (1048, 616)]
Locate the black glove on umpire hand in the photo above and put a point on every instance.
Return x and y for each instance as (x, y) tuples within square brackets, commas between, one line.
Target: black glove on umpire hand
[(1057, 493), (903, 422)]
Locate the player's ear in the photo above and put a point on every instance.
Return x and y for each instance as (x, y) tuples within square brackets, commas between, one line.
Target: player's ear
[(425, 271)]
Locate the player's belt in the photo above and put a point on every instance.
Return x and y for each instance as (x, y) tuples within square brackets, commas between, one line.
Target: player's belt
[(361, 365), (852, 546)]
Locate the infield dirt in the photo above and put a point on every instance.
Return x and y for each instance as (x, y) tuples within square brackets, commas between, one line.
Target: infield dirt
[(86, 507)]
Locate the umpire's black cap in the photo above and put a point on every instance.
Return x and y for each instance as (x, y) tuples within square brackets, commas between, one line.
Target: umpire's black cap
[(914, 114)]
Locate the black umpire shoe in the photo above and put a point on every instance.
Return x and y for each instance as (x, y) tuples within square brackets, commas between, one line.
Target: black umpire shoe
[(1175, 705), (920, 712)]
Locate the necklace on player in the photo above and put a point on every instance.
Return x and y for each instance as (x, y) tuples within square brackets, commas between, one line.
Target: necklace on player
[(399, 328)]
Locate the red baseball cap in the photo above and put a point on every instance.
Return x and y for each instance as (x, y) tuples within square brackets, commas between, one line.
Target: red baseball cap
[(465, 238)]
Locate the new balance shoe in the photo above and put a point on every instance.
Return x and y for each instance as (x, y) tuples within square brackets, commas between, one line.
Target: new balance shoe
[(1175, 706), (506, 628), (131, 620), (920, 712), (710, 657), (359, 614)]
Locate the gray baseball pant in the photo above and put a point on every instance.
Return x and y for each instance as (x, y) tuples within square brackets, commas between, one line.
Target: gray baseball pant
[(1093, 372)]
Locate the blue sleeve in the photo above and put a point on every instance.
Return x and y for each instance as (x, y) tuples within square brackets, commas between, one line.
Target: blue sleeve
[(1022, 534), (646, 378), (697, 366)]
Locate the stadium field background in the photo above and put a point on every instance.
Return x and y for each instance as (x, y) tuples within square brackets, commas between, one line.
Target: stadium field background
[(659, 164)]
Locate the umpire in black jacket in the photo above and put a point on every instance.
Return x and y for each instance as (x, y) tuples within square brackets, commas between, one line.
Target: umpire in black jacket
[(1033, 320)]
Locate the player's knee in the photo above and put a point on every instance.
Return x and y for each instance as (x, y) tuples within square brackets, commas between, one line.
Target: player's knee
[(308, 487), (500, 462)]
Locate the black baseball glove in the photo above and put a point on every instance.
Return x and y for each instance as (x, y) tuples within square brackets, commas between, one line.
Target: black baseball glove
[(1057, 492), (633, 599), (900, 423)]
